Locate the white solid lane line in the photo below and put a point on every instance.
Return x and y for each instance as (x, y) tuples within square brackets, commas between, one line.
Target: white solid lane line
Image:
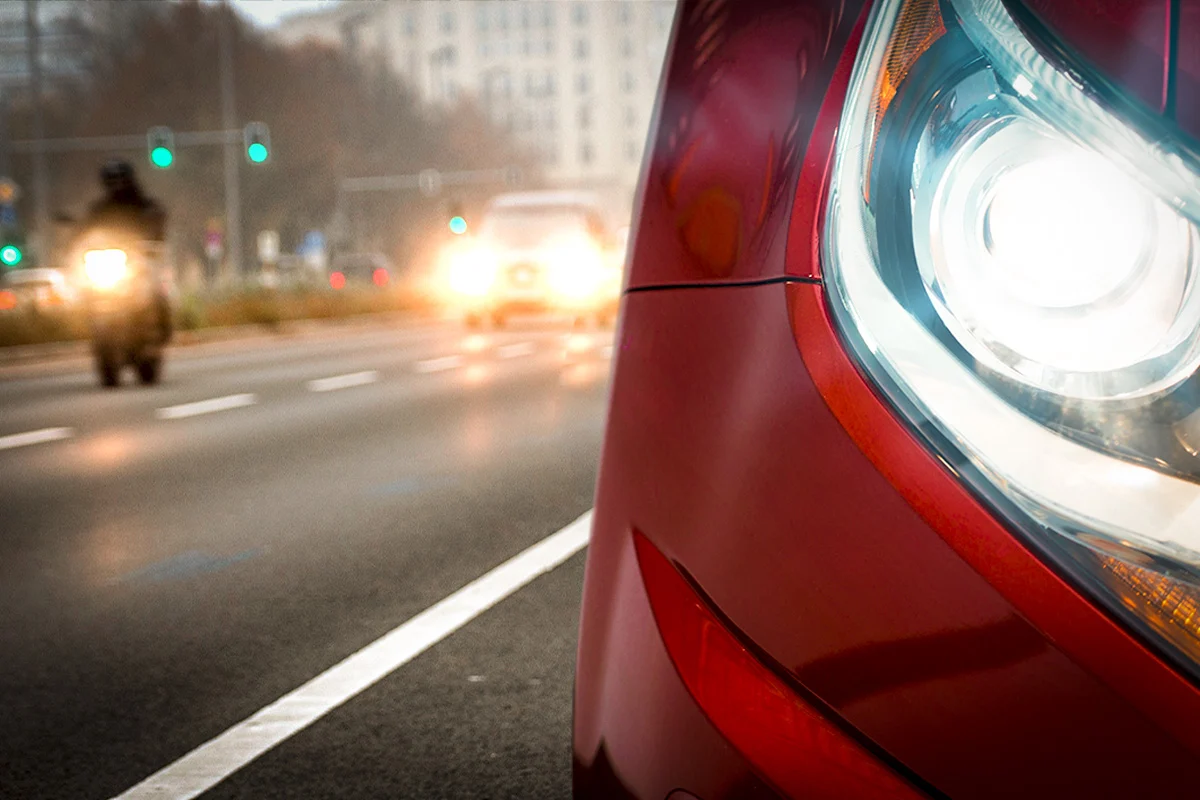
[(438, 364), (515, 350), (206, 406), (35, 437), (217, 759), (343, 381)]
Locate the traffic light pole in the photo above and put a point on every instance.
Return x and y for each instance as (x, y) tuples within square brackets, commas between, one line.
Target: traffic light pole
[(233, 195), (41, 212)]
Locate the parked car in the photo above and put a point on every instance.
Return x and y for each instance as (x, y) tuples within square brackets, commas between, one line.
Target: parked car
[(37, 289), (544, 251), (898, 496), (365, 269)]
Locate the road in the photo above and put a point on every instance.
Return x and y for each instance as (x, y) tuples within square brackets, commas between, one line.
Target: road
[(174, 559)]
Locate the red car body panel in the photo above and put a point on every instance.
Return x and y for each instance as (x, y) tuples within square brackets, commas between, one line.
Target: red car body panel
[(746, 449)]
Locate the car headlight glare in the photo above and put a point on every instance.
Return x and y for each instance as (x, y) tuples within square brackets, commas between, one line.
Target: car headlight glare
[(1017, 267), (472, 272)]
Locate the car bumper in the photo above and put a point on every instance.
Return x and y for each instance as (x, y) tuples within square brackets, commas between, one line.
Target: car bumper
[(855, 567)]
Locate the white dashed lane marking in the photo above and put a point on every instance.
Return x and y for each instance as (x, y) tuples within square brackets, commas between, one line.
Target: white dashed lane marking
[(206, 406), (438, 364), (35, 437), (217, 759), (515, 350), (343, 381)]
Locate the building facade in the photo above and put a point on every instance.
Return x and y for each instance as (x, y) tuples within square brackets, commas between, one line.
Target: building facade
[(573, 81)]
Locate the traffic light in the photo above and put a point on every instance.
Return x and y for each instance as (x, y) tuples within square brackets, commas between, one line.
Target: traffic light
[(160, 142), (11, 255), (257, 138), (458, 223)]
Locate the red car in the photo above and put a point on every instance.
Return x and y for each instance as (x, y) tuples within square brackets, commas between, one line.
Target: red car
[(900, 494)]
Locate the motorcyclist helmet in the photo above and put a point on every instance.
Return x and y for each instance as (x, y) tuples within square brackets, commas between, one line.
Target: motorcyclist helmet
[(117, 176)]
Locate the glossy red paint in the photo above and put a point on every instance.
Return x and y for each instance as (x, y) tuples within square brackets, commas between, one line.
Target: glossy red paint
[(743, 83), (748, 450), (785, 739)]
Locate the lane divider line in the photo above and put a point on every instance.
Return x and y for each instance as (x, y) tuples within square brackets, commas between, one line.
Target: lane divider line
[(516, 350), (217, 759), (336, 382), (438, 364), (35, 437), (206, 406)]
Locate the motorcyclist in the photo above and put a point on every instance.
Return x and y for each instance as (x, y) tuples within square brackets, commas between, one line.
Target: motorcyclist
[(126, 211)]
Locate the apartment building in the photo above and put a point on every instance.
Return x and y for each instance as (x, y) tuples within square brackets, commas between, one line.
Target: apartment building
[(573, 80)]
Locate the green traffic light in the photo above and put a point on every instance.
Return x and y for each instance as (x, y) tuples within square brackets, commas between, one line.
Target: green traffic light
[(10, 255), (458, 226), (257, 152), (161, 157)]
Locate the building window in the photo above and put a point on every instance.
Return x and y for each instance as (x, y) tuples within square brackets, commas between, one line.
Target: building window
[(502, 16), (410, 25), (663, 15), (481, 19), (447, 21), (586, 153), (630, 116), (539, 84), (631, 152), (626, 47), (625, 13), (485, 49), (547, 47), (583, 83), (585, 118), (627, 82), (582, 48), (547, 15), (579, 14), (526, 16), (526, 47)]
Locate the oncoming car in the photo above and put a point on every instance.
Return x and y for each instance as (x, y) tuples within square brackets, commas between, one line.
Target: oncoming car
[(548, 251), (899, 494)]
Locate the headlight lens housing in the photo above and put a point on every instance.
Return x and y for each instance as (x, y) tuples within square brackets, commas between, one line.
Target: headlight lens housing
[(1017, 268), (105, 269)]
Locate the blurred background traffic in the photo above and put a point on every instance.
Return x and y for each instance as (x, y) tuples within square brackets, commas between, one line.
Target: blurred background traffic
[(328, 158)]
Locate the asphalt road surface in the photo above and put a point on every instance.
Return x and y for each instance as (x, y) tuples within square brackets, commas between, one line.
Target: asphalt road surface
[(175, 559)]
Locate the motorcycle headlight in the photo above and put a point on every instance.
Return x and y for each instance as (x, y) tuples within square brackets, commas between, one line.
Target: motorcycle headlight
[(105, 268), (1016, 267)]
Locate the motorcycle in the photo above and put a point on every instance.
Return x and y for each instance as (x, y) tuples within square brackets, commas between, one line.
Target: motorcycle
[(127, 309)]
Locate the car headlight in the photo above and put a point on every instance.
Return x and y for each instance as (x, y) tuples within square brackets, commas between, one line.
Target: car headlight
[(575, 269), (105, 268), (1016, 268), (472, 272)]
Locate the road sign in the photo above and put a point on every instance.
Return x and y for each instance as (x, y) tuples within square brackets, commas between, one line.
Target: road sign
[(214, 245), (268, 247), (430, 182), (9, 191), (313, 240)]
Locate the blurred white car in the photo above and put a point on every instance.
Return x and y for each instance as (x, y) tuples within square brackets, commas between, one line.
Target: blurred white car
[(38, 289), (537, 252)]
